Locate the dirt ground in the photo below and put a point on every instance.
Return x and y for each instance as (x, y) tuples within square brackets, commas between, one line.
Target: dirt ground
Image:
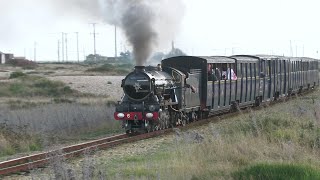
[(99, 85), (74, 76)]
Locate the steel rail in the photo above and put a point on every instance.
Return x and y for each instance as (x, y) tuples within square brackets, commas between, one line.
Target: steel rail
[(41, 156), (43, 159)]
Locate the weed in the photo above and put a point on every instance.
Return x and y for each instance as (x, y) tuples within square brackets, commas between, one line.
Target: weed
[(278, 171), (16, 74), (35, 86), (119, 69)]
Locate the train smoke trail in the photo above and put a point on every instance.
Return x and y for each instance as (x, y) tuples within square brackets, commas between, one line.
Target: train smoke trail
[(146, 23)]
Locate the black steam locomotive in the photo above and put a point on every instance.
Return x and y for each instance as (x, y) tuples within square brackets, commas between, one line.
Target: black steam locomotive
[(186, 88)]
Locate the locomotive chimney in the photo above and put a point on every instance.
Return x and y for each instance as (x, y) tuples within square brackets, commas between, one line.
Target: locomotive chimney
[(139, 68)]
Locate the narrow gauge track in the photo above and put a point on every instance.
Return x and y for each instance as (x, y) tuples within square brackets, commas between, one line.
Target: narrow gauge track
[(40, 160)]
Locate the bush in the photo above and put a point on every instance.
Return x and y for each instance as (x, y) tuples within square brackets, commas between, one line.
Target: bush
[(35, 86), (16, 74), (103, 68), (26, 64), (278, 171), (117, 68)]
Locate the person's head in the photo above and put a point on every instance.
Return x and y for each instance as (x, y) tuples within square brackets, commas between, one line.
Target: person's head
[(224, 67)]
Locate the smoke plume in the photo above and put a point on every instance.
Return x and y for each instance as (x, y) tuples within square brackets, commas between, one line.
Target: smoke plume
[(147, 24)]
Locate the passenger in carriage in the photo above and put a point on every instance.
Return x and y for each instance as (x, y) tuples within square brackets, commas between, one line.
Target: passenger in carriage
[(226, 73), (213, 73)]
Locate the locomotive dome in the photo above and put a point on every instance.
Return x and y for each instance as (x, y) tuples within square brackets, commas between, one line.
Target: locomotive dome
[(137, 84)]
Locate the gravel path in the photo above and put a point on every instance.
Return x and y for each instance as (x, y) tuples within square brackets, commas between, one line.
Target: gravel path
[(99, 85)]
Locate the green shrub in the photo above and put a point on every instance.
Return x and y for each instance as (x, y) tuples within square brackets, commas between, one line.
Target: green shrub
[(16, 74), (278, 171), (35, 86), (103, 68), (117, 68)]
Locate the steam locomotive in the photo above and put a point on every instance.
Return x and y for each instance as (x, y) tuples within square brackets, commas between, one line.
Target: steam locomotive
[(187, 88)]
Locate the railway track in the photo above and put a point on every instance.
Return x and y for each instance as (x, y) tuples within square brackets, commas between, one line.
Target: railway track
[(28, 163)]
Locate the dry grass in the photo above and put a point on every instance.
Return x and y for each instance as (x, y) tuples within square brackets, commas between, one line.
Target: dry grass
[(51, 124), (283, 138), (287, 133)]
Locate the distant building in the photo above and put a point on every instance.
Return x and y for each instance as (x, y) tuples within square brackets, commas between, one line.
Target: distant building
[(2, 58), (8, 57)]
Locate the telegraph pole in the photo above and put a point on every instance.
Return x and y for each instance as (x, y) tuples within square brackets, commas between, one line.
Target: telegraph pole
[(115, 42), (77, 33), (94, 40), (62, 46), (66, 36), (58, 50), (35, 51)]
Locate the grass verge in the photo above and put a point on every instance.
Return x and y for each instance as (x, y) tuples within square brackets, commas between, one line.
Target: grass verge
[(31, 86), (278, 171)]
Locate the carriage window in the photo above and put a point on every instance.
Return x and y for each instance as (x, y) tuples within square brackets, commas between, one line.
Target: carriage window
[(176, 76), (228, 71), (214, 72), (262, 68), (239, 70), (251, 65), (256, 69), (244, 70)]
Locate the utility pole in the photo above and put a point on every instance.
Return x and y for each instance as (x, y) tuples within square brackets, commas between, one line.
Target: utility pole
[(66, 36), (115, 42), (35, 51), (94, 40), (77, 33), (62, 46), (58, 50)]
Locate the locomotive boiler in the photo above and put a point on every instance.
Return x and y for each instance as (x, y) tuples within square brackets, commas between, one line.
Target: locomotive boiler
[(148, 92)]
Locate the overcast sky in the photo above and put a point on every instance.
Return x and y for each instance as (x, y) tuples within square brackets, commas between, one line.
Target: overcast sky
[(208, 27)]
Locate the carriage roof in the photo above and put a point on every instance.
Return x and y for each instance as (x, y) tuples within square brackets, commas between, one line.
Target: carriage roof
[(218, 59)]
